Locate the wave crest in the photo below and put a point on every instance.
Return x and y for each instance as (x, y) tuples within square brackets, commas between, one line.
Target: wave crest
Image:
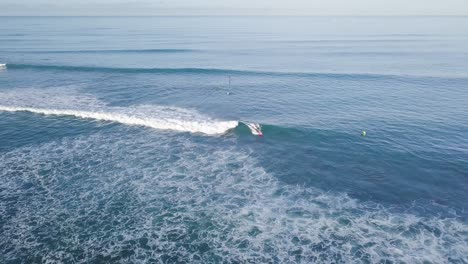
[(208, 127), (53, 102)]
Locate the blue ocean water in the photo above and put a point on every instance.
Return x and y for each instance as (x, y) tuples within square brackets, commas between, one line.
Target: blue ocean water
[(121, 139)]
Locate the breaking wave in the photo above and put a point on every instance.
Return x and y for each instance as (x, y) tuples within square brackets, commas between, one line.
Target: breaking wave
[(208, 127), (51, 102)]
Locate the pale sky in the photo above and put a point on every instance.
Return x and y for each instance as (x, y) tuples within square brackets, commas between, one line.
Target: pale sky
[(233, 7)]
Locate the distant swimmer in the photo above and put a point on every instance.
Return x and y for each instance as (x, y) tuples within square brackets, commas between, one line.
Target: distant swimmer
[(229, 93), (255, 128)]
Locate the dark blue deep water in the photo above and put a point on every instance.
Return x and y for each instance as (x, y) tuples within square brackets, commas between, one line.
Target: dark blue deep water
[(120, 140)]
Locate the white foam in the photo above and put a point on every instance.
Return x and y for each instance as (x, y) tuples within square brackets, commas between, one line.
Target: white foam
[(208, 127), (70, 103), (193, 202)]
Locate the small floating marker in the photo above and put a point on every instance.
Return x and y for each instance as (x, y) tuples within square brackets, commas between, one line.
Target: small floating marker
[(364, 133)]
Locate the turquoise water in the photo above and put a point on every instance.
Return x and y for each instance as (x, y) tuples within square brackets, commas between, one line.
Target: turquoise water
[(121, 139)]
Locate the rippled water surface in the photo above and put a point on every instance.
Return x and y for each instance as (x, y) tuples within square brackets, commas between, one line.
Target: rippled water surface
[(124, 139)]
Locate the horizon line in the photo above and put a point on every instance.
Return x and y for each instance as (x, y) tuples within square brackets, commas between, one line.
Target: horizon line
[(239, 15)]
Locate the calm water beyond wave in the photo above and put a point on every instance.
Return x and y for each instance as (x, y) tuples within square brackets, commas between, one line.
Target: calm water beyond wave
[(122, 140)]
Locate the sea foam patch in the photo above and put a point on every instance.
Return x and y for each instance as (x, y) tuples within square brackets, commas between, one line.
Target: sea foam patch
[(163, 198), (70, 103)]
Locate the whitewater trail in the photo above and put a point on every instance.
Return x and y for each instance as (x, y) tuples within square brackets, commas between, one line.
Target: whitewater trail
[(208, 127)]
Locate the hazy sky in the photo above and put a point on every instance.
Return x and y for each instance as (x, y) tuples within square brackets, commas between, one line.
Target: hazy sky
[(233, 7)]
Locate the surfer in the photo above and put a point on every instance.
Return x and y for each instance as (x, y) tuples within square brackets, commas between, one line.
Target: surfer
[(255, 128), (258, 129)]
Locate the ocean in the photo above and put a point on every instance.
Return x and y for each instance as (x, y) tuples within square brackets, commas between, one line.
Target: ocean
[(124, 139)]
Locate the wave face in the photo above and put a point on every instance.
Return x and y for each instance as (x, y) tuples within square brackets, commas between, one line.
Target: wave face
[(215, 71), (123, 198), (157, 117)]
